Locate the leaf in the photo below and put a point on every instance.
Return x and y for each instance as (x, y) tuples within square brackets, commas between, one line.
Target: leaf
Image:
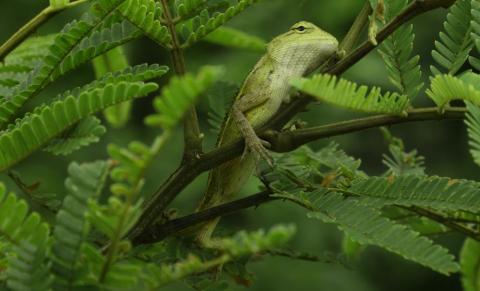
[(400, 162), (86, 132), (64, 43), (475, 24), (469, 265), (179, 95), (367, 226), (445, 88), (203, 24), (28, 236), (37, 129), (403, 69), (473, 127), (144, 14), (349, 95), (114, 60), (432, 192), (85, 182), (455, 44), (231, 37), (219, 98)]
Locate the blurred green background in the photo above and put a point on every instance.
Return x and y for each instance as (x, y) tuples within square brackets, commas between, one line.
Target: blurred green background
[(444, 144)]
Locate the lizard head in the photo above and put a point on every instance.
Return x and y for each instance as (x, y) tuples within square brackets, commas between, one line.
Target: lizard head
[(303, 48)]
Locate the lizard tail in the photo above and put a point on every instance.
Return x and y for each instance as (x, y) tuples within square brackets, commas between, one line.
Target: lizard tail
[(223, 183)]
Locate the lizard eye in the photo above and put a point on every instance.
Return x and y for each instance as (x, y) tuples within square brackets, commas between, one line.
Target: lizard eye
[(300, 28)]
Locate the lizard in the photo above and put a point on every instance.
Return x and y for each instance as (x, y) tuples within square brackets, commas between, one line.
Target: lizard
[(295, 53)]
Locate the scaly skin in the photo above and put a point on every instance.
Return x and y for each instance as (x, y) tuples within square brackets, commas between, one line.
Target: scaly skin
[(293, 54)]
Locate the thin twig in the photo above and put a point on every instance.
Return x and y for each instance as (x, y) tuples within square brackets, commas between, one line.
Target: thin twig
[(193, 137), (31, 26)]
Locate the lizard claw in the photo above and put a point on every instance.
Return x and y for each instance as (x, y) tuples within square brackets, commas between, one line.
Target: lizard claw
[(258, 149)]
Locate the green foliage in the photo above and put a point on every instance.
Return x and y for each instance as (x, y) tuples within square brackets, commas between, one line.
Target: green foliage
[(445, 88), (455, 44), (59, 3), (185, 8), (85, 182), (144, 14), (86, 132), (469, 265), (64, 44), (179, 95), (367, 226), (231, 37), (432, 192), (203, 24), (219, 98), (473, 127), (403, 69), (97, 43), (349, 95), (114, 60), (475, 24), (400, 162), (27, 240), (35, 130)]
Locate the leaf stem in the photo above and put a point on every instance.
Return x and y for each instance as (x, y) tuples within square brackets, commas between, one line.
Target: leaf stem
[(31, 26), (192, 135)]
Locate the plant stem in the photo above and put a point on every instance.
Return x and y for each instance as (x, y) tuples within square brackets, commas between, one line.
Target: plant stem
[(192, 135), (31, 26), (286, 141)]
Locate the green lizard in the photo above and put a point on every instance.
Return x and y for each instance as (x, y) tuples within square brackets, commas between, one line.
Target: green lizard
[(293, 54)]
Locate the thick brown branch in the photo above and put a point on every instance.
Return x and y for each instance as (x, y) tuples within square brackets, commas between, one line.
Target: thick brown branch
[(176, 225)]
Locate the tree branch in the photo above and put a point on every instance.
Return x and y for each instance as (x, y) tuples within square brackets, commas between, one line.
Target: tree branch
[(192, 135), (285, 141), (176, 225), (191, 168), (30, 27)]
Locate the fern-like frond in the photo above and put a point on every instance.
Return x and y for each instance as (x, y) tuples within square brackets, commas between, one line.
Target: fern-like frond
[(203, 24), (99, 42), (145, 15), (475, 24), (455, 44), (235, 38), (469, 262), (432, 192), (64, 43), (473, 127), (87, 131), (179, 95), (403, 69), (445, 88), (85, 182), (400, 162), (239, 245), (367, 226), (37, 129), (185, 8), (349, 95), (219, 96), (113, 60), (31, 51), (27, 238)]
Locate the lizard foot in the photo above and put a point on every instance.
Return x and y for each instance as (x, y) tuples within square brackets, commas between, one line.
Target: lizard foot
[(258, 149)]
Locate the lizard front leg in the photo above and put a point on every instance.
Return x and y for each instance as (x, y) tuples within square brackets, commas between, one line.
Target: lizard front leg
[(252, 142)]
